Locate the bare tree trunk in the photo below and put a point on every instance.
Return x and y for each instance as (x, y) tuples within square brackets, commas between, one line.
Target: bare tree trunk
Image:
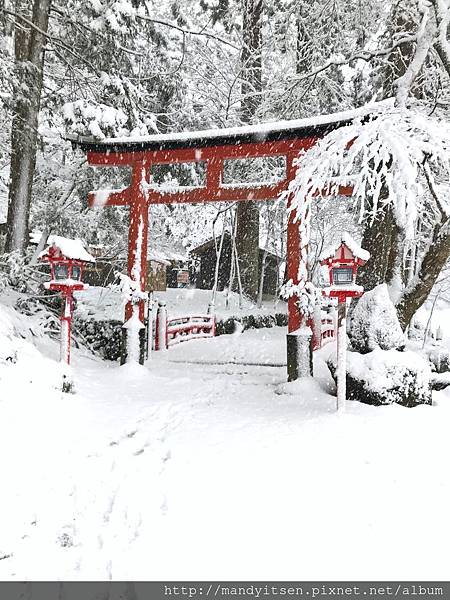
[(264, 257), (247, 213), (303, 41), (262, 277), (441, 44), (5, 23), (400, 58), (41, 245), (432, 263), (234, 256), (380, 238), (217, 269), (29, 46)]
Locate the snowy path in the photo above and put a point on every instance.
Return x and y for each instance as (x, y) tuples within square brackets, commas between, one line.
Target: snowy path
[(190, 470)]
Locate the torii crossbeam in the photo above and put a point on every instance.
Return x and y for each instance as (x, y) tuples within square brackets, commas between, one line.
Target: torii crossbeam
[(211, 147)]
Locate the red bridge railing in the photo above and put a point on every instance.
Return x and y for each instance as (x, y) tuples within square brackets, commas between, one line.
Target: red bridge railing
[(169, 332), (190, 328), (326, 330)]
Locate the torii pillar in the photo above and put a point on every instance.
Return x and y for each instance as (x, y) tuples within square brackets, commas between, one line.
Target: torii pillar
[(137, 234), (299, 342)]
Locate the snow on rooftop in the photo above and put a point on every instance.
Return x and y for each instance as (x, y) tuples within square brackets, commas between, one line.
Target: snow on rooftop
[(156, 256), (70, 248), (260, 129), (162, 255), (351, 244)]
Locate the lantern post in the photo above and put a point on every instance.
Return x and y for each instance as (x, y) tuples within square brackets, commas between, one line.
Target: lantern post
[(342, 262), (67, 259), (341, 368)]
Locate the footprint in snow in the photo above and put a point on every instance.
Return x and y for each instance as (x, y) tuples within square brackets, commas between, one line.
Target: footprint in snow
[(108, 511), (164, 507)]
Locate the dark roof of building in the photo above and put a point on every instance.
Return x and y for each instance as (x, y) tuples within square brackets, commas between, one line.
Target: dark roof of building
[(215, 242)]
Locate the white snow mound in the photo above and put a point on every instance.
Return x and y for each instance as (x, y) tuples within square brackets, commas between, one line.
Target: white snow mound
[(390, 373)]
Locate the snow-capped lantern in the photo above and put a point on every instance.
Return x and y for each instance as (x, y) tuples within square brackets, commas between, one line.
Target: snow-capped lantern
[(67, 259), (342, 261)]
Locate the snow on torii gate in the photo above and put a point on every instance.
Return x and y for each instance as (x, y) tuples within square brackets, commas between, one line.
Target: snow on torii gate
[(211, 147)]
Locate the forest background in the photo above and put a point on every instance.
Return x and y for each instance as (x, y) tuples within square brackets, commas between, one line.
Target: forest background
[(136, 67)]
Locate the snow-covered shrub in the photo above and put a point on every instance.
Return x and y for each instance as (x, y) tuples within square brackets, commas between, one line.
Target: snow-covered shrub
[(440, 381), (102, 337), (387, 377), (20, 357), (45, 310), (229, 325), (98, 120), (374, 323), (440, 359), (13, 271)]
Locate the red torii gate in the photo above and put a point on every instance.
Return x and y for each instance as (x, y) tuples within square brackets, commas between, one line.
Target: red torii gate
[(212, 147)]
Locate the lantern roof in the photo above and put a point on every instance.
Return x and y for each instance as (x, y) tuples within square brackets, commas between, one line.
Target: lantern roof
[(66, 248), (346, 240)]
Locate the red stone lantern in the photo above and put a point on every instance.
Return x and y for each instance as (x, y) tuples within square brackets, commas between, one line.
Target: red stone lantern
[(67, 259), (342, 261)]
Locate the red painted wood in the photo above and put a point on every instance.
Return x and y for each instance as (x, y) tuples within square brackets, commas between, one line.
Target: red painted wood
[(138, 227), (327, 333), (209, 193), (214, 175), (58, 287), (251, 150), (115, 198), (293, 252), (219, 194), (342, 295), (180, 328)]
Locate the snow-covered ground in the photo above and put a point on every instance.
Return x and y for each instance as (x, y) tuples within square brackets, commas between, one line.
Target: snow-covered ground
[(105, 303), (203, 466)]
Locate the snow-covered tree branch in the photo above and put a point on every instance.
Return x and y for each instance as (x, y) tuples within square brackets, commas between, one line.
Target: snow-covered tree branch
[(398, 161)]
